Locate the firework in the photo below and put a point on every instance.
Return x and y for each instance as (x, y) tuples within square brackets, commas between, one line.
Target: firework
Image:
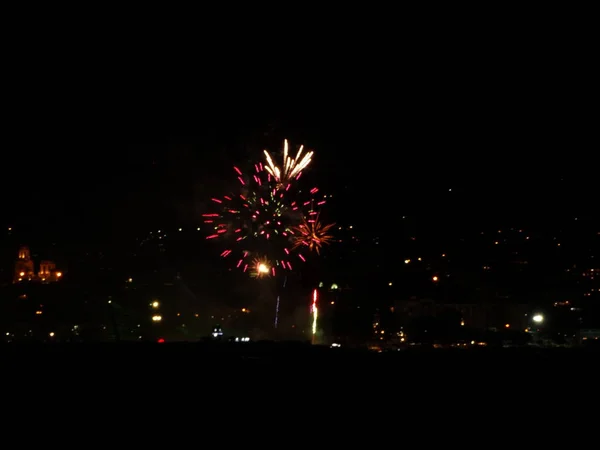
[(277, 312), (315, 315), (291, 168), (261, 219), (261, 267), (312, 234)]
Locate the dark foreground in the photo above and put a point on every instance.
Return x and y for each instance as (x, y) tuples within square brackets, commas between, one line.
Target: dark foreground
[(136, 356), (292, 377)]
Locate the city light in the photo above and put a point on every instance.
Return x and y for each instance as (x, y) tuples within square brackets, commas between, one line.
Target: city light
[(156, 318), (155, 304), (538, 318)]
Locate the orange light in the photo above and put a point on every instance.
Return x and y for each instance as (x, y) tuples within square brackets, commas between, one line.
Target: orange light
[(507, 326), (435, 278), (59, 274)]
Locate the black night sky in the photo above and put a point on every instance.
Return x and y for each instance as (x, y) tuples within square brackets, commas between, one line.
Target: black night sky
[(458, 163)]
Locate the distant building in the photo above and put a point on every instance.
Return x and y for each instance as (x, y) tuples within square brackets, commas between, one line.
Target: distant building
[(25, 269)]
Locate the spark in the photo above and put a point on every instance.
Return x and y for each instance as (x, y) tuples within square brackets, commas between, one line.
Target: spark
[(290, 168), (312, 234)]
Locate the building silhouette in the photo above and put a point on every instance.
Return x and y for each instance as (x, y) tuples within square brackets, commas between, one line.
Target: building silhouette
[(25, 269)]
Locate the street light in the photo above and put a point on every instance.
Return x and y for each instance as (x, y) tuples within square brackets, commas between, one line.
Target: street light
[(155, 304), (156, 318), (538, 318)]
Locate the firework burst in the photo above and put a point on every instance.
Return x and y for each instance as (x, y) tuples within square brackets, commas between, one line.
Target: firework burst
[(261, 267), (312, 234), (291, 168), (258, 223)]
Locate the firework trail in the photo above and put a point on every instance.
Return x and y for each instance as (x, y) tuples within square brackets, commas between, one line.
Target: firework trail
[(314, 311)]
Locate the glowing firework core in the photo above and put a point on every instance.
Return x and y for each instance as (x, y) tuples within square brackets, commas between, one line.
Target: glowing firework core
[(261, 267)]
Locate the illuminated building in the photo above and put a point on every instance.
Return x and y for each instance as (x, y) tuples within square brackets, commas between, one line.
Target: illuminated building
[(25, 269), (47, 268)]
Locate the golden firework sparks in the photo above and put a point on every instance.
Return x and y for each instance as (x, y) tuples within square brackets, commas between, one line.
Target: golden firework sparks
[(290, 167), (312, 234)]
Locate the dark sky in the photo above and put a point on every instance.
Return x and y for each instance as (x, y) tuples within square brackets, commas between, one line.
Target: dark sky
[(509, 133)]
